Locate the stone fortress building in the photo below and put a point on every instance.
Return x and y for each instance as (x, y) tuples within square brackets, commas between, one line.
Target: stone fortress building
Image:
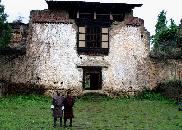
[(88, 47)]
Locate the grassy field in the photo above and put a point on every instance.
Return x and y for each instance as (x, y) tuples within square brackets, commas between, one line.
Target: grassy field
[(102, 113)]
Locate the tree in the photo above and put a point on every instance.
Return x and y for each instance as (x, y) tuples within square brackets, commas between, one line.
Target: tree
[(161, 22), (5, 29), (19, 19), (166, 37)]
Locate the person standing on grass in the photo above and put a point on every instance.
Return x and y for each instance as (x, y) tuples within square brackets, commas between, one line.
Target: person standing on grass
[(68, 108), (57, 107), (180, 102)]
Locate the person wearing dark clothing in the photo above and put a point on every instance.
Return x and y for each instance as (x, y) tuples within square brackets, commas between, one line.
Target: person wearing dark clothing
[(180, 102), (57, 105), (68, 108)]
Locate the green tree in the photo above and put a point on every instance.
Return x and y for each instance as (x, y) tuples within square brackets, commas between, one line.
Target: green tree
[(161, 22), (166, 37), (5, 29), (160, 28)]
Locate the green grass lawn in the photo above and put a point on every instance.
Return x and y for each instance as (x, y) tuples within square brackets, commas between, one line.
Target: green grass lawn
[(103, 113)]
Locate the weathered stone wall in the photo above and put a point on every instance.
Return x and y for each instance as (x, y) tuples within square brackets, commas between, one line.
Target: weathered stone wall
[(52, 60), (127, 59), (56, 59), (19, 34), (47, 16), (161, 70), (53, 47)]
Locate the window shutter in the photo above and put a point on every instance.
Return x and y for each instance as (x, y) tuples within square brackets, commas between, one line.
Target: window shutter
[(105, 38), (81, 43), (105, 30), (81, 37), (105, 45), (81, 29)]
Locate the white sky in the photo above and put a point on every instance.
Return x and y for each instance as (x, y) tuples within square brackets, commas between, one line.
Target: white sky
[(149, 11)]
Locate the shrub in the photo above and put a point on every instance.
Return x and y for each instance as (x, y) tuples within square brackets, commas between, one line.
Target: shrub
[(5, 29), (171, 89), (22, 88), (150, 95)]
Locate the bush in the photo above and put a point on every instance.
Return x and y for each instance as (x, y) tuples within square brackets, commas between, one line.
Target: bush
[(5, 29), (22, 88), (171, 89), (150, 95)]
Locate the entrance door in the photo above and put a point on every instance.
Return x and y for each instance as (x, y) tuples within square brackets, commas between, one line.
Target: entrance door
[(92, 78)]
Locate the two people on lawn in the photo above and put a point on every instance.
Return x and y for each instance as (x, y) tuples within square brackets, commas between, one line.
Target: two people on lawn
[(62, 107)]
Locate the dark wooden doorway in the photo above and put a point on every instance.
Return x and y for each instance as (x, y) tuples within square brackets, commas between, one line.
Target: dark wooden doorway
[(92, 78)]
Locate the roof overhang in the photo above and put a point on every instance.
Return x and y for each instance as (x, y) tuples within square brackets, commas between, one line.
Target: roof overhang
[(90, 6)]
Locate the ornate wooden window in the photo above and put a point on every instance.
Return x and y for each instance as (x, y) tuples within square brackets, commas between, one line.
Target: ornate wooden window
[(93, 32), (93, 40)]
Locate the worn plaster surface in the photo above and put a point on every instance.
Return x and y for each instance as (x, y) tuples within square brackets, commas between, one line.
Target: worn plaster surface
[(52, 60)]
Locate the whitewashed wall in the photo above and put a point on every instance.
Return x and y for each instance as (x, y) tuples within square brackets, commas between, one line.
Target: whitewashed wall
[(56, 56), (127, 52), (52, 59)]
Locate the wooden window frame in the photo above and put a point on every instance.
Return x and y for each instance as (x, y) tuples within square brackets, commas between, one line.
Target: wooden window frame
[(105, 34), (97, 50), (79, 34)]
